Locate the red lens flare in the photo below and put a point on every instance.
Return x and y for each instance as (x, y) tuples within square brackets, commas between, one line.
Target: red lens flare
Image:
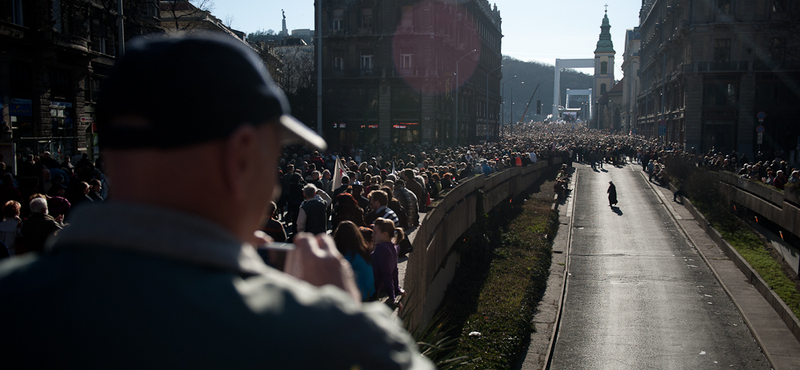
[(430, 39)]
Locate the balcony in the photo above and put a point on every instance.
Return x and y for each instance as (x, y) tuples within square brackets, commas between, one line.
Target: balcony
[(70, 41), (707, 66)]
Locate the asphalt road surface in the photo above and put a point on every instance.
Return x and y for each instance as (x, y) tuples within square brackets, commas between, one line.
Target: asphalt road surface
[(638, 295)]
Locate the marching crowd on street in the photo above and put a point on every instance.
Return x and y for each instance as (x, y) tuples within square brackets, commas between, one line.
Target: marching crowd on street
[(391, 182)]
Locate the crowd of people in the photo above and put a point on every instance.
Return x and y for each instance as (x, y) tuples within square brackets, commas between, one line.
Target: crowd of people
[(43, 193)]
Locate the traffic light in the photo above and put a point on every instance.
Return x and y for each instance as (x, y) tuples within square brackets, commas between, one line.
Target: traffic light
[(538, 107)]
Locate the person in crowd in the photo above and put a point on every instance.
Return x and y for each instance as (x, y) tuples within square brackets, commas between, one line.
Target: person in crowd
[(10, 227), (780, 180), (408, 200), (45, 181), (94, 191), (347, 209), (343, 187), (39, 226), (395, 206), (350, 242), (378, 201), (103, 180), (294, 198), (285, 183), (271, 226), (770, 178), (175, 264), (416, 187), (9, 191), (795, 177), (358, 195), (58, 206), (313, 214), (384, 260)]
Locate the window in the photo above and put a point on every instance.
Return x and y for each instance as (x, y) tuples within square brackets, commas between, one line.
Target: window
[(57, 25), (719, 94), (777, 48), (724, 6), (407, 22), (366, 62), (60, 83), (602, 89), (722, 50), (338, 19), (603, 68), (16, 13), (778, 6), (338, 64), (405, 60), (366, 18)]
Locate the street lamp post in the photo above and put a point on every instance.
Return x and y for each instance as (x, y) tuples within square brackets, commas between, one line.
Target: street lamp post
[(455, 125), (487, 101), (512, 106), (503, 88)]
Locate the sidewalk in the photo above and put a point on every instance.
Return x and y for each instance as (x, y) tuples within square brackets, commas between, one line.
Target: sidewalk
[(777, 342)]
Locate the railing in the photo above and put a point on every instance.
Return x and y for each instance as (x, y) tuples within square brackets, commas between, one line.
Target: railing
[(71, 41), (429, 268)]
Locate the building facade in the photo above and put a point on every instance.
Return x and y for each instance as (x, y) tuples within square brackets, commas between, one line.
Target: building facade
[(397, 70), (713, 72), (630, 71), (54, 57)]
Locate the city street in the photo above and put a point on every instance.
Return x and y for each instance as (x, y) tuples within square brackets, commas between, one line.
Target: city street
[(638, 294)]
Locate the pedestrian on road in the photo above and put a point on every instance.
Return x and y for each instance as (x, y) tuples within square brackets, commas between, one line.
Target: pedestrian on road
[(612, 194)]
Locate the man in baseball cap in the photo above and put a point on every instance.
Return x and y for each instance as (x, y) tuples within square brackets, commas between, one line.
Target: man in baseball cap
[(166, 276)]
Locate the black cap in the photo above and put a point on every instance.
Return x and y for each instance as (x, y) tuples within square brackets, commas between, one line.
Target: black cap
[(191, 89)]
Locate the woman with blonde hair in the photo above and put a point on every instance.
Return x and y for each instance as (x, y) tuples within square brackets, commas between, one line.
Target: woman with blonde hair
[(384, 259)]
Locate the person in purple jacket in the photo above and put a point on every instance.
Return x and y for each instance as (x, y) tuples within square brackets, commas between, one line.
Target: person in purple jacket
[(384, 260)]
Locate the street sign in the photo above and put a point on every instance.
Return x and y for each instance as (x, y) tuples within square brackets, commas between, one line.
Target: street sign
[(760, 129), (760, 138), (761, 116)]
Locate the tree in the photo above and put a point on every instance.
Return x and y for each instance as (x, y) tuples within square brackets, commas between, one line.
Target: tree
[(184, 15)]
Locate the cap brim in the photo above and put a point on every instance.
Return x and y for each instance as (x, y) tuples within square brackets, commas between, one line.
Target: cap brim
[(295, 131)]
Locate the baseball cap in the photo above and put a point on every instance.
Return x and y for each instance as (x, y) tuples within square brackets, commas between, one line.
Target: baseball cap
[(191, 89)]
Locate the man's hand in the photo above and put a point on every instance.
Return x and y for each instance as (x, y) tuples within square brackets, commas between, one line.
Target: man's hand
[(317, 261)]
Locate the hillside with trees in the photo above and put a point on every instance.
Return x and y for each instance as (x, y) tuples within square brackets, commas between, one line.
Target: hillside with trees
[(533, 73)]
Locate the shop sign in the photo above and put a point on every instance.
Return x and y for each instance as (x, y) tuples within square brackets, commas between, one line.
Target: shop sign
[(20, 107)]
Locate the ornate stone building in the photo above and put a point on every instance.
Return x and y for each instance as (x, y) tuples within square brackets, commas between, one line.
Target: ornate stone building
[(630, 70), (54, 57), (393, 71), (710, 69)]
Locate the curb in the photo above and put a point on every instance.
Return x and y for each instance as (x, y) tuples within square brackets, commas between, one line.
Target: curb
[(557, 323)]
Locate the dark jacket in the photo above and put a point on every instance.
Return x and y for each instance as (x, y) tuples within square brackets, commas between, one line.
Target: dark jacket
[(316, 216), (36, 229)]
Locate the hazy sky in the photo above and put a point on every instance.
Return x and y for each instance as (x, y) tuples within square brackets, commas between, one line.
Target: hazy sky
[(533, 30)]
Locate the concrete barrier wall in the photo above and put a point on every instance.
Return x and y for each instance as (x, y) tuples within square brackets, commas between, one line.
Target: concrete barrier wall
[(432, 264), (780, 207)]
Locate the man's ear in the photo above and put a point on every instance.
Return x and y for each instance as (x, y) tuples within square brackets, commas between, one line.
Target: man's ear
[(239, 155)]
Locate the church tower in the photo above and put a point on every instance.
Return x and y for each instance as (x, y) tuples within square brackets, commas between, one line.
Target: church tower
[(603, 62)]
